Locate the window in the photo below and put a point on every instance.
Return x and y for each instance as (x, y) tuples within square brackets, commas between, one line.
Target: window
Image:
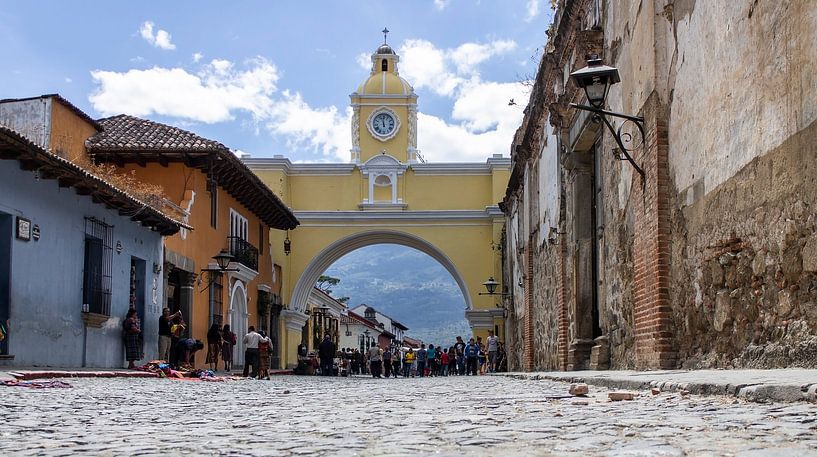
[(97, 270), (384, 65), (212, 187), (238, 225), (216, 298)]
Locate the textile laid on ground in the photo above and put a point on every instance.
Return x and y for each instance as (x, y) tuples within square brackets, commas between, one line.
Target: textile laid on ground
[(163, 369), (38, 384)]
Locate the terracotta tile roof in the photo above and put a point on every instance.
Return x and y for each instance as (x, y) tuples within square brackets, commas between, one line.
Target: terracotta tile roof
[(125, 132), (128, 139), (14, 145)]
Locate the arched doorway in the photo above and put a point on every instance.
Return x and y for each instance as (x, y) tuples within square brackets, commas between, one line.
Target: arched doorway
[(238, 317), (339, 248)]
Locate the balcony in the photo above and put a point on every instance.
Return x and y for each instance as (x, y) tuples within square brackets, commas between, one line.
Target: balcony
[(245, 253)]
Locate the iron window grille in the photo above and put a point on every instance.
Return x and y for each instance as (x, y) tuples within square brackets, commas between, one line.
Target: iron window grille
[(97, 274)]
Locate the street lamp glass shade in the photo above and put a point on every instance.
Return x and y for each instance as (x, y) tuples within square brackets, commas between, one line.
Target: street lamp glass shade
[(596, 79), (223, 259), (287, 245), (597, 91), (490, 285)]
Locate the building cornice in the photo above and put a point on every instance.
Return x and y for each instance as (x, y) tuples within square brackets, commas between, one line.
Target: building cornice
[(280, 163), (489, 212)]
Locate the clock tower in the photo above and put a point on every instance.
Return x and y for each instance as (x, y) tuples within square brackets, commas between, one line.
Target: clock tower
[(385, 112)]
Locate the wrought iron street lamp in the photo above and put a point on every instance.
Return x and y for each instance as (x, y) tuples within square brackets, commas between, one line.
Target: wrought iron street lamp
[(287, 245), (223, 259), (596, 79), (490, 286)]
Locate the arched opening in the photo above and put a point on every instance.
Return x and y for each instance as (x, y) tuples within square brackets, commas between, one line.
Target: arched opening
[(403, 284), (321, 262), (238, 320), (384, 65)]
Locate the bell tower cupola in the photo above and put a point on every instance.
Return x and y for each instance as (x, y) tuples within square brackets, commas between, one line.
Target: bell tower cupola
[(384, 120)]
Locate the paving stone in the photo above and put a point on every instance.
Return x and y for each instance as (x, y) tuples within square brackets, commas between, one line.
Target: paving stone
[(470, 416)]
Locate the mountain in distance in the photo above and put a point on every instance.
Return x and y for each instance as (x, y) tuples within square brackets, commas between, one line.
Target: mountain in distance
[(407, 285)]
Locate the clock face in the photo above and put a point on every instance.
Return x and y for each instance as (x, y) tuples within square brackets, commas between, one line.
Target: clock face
[(383, 124)]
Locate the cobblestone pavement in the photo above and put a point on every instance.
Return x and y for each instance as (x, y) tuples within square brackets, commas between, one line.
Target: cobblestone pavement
[(292, 415)]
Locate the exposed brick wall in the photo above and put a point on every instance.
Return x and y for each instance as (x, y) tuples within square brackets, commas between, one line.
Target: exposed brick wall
[(652, 310)]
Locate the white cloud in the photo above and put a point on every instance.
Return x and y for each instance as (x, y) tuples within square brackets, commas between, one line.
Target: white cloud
[(212, 95), (441, 4), (364, 59), (197, 56), (327, 130), (445, 70), (161, 39), (532, 10), (69, 80)]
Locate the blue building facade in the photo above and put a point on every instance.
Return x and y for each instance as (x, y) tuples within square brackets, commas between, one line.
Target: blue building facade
[(75, 254)]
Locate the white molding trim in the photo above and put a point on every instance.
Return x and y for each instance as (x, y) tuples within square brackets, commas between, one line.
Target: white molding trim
[(339, 248), (294, 320), (285, 165), (462, 168), (382, 206), (380, 214), (483, 318), (244, 272), (265, 288), (320, 299)]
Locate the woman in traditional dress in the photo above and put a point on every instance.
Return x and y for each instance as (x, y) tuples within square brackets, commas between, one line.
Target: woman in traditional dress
[(213, 345), (228, 341), (133, 337), (264, 345)]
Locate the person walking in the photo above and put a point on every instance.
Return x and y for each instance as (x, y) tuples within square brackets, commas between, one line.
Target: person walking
[(482, 360), (264, 347), (459, 353), (387, 363), (213, 346), (422, 358), (431, 356), (251, 340), (228, 341), (132, 334), (493, 346), (375, 356), (471, 355), (408, 361), (165, 321), (445, 361), (395, 360), (326, 354)]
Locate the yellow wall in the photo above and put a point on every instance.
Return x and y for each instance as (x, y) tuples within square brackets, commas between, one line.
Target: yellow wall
[(68, 133), (204, 241)]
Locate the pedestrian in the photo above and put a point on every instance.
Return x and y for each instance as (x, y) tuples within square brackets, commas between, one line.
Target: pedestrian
[(422, 357), (431, 356), (387, 363), (264, 347), (375, 356), (251, 340), (452, 361), (459, 348), (132, 334), (186, 350), (213, 345), (177, 330), (481, 358), (493, 346), (326, 353), (408, 361), (228, 341), (165, 321), (353, 357), (471, 356), (395, 361), (444, 362)]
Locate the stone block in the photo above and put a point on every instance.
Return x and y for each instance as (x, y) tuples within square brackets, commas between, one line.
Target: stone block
[(785, 302), (579, 389), (759, 264), (810, 254), (619, 396), (723, 309)]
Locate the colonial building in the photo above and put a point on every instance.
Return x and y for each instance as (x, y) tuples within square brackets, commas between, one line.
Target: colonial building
[(387, 194), (358, 332), (231, 210), (392, 326), (326, 313), (76, 251), (702, 250)]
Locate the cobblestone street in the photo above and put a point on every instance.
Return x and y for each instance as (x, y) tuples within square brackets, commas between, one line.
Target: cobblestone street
[(337, 416)]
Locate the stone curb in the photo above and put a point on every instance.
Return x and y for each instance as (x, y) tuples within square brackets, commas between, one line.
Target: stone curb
[(758, 393)]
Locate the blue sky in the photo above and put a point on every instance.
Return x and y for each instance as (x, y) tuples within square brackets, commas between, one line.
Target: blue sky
[(274, 77)]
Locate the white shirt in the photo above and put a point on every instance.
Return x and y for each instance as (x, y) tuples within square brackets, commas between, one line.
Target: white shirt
[(251, 340)]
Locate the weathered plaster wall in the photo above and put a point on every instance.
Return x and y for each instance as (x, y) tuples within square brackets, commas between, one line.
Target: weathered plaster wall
[(46, 327)]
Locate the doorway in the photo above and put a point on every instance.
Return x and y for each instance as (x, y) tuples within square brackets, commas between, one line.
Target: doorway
[(6, 226), (238, 320), (137, 286)]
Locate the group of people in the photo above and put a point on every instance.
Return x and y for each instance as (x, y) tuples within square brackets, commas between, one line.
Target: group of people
[(471, 358), (179, 351)]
